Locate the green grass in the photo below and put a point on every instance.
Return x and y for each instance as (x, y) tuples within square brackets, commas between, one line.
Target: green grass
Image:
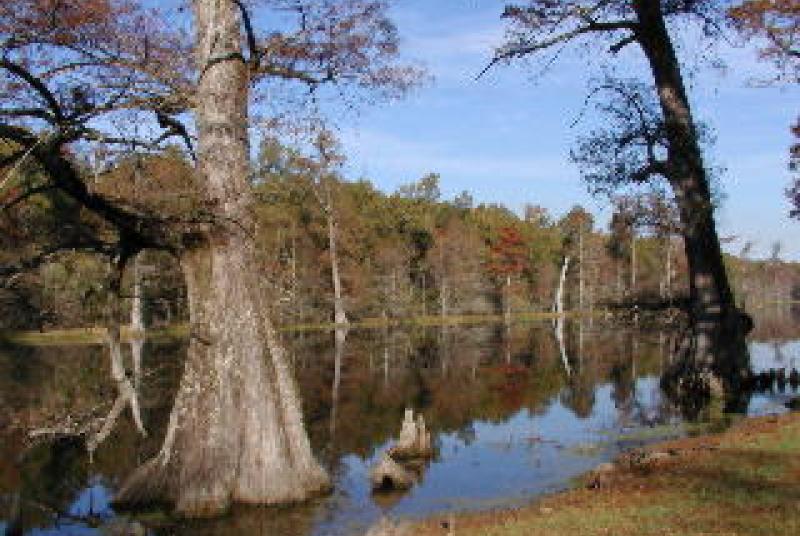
[(84, 336), (741, 482)]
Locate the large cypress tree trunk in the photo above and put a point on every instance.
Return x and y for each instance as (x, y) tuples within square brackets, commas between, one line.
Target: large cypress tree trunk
[(236, 432), (718, 329)]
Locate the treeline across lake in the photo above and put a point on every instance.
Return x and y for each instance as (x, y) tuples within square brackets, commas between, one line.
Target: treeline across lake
[(333, 249)]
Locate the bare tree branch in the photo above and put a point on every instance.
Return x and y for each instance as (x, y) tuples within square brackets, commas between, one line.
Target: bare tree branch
[(37, 85)]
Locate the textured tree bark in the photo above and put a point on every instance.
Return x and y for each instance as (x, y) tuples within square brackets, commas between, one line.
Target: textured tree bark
[(668, 271), (236, 432), (718, 329)]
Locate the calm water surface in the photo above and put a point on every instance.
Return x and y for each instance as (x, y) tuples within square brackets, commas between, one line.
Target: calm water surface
[(513, 413)]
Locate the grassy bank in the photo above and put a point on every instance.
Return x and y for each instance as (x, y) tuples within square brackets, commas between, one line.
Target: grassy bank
[(744, 481), (88, 336), (97, 335)]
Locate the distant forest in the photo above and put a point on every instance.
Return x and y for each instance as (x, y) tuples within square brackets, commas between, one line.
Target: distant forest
[(392, 256)]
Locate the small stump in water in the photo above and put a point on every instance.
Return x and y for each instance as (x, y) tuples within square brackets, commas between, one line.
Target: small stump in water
[(402, 465), (414, 441)]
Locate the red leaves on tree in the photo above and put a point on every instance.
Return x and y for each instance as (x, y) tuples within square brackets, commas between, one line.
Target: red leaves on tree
[(508, 255)]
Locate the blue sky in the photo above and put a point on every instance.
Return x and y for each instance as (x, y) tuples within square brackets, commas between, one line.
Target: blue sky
[(506, 137)]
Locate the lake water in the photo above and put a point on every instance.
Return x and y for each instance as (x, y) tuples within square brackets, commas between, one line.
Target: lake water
[(513, 414)]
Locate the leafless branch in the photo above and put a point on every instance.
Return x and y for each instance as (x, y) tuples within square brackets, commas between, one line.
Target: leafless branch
[(37, 85)]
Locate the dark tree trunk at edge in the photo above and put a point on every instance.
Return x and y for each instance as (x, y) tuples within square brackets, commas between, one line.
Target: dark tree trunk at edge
[(718, 329)]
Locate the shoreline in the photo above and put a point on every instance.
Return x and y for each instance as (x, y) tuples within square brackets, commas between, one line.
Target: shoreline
[(741, 481), (96, 335)]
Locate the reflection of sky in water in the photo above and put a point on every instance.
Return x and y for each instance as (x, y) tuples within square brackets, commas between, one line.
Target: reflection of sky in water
[(492, 463), (93, 500), (764, 356), (506, 463)]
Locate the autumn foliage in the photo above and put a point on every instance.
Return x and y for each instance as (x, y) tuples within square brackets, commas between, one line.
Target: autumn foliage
[(508, 254), (779, 22)]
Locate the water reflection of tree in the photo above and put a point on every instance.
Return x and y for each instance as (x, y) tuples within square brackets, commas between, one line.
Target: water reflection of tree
[(623, 382), (454, 376), (579, 394), (51, 386), (127, 389), (458, 376), (51, 477)]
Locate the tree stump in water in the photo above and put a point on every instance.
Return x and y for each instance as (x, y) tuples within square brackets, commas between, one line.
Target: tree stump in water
[(402, 464), (414, 441)]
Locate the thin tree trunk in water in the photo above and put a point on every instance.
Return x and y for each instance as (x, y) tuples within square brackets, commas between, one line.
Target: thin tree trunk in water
[(507, 300), (444, 348), (137, 309), (562, 278), (386, 356), (137, 349), (562, 347), (127, 393), (633, 262), (443, 298), (718, 330), (339, 315), (236, 432), (424, 295), (339, 336), (580, 271), (295, 308), (668, 275)]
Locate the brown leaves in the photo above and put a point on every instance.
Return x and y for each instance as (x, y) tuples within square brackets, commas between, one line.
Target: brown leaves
[(113, 52), (351, 42), (779, 22)]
